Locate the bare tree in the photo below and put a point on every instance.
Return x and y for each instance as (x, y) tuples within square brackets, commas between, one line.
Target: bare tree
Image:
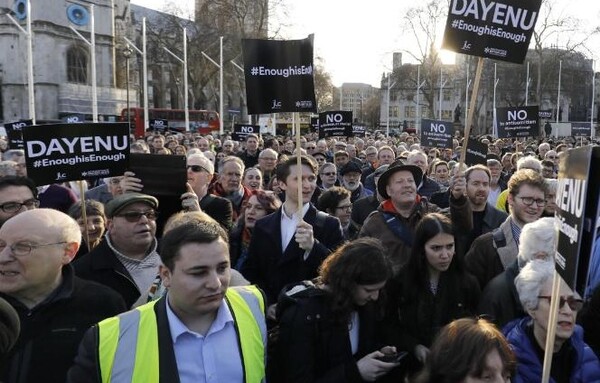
[(323, 86)]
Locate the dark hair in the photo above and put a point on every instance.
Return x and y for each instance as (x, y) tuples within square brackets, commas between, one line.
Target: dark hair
[(283, 170), (360, 262), (269, 142), (330, 198), (547, 163), (477, 167), (92, 207), (460, 350), (269, 200), (428, 227), (252, 135), (189, 232), (7, 181)]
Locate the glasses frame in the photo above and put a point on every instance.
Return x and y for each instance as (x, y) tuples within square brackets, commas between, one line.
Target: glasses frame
[(533, 200), (129, 216), (575, 304), (34, 201), (30, 247)]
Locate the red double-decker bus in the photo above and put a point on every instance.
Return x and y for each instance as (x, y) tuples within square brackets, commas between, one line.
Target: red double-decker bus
[(201, 121)]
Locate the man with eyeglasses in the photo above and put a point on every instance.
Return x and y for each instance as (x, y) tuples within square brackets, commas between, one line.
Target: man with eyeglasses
[(200, 171), (493, 252), (17, 194), (267, 160), (55, 307), (127, 260)]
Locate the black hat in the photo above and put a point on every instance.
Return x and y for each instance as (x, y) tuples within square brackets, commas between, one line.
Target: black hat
[(393, 169), (350, 167), (315, 154)]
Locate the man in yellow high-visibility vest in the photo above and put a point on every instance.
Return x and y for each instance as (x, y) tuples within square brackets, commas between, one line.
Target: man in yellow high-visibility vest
[(201, 331)]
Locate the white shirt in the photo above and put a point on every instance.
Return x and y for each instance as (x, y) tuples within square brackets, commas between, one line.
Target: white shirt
[(288, 226)]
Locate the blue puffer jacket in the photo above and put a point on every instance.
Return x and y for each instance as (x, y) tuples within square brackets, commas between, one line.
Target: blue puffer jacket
[(529, 367)]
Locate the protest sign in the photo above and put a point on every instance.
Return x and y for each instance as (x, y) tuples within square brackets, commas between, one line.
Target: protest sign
[(74, 119), (499, 29), (522, 121), (476, 153), (161, 175), (359, 130), (158, 124), (279, 75), (14, 132), (576, 214), (59, 153), (436, 134), (314, 124), (241, 131), (545, 114), (581, 129), (335, 124)]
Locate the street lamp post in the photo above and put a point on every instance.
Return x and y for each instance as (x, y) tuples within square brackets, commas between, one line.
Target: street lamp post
[(127, 52)]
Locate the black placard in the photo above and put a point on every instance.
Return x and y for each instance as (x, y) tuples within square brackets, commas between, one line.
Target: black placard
[(581, 129), (476, 153), (314, 124), (359, 130), (158, 124), (74, 119), (14, 132), (335, 124), (545, 114), (161, 175), (241, 131), (437, 134), (279, 75), (576, 214), (58, 152), (517, 122), (498, 29)]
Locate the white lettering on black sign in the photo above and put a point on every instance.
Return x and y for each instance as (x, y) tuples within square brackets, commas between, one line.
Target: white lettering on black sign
[(70, 145), (495, 12)]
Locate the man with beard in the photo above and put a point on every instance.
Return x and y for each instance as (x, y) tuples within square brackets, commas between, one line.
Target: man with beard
[(493, 252), (17, 194), (485, 216), (351, 181)]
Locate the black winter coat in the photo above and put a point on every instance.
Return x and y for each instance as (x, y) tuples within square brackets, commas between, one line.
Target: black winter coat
[(414, 315), (51, 331), (500, 299), (313, 348)]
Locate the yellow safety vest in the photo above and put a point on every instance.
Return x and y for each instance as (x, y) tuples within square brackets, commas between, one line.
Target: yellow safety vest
[(126, 357)]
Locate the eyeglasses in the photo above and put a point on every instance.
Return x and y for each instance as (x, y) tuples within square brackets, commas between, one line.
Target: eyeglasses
[(13, 207), (21, 249), (574, 303), (344, 207), (530, 200), (311, 147), (196, 168), (115, 181), (134, 216), (329, 174)]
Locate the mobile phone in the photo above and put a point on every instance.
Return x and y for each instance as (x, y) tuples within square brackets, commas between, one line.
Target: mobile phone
[(393, 358)]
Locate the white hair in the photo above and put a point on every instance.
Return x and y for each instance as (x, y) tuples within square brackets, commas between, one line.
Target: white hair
[(194, 151), (530, 280), (529, 162), (537, 237), (204, 162)]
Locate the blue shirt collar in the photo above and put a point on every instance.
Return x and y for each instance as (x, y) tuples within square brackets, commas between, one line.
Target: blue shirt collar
[(178, 328)]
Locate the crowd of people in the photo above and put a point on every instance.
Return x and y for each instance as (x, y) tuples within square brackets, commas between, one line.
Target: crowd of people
[(340, 260)]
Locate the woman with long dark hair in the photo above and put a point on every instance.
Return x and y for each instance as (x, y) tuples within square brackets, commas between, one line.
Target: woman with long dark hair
[(329, 333), (430, 291), (260, 204)]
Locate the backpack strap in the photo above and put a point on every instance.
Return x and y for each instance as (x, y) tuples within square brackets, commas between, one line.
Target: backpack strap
[(499, 238), (398, 228)]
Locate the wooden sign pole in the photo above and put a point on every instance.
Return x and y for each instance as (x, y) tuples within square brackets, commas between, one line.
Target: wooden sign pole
[(470, 113)]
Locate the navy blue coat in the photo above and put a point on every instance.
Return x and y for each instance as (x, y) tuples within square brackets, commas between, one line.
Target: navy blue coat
[(271, 267)]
